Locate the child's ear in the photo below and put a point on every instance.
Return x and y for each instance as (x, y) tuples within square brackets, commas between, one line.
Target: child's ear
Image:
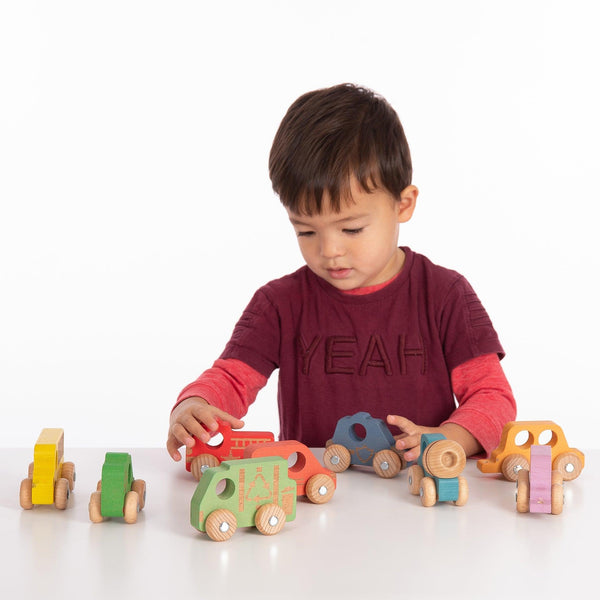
[(406, 205)]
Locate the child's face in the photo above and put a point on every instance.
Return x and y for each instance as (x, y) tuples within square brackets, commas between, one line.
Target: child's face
[(358, 246)]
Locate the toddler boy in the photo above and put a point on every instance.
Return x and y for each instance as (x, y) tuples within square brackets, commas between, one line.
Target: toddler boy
[(365, 325)]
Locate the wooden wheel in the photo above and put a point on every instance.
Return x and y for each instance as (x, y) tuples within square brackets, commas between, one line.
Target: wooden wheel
[(444, 458), (428, 491), (336, 458), (68, 472), (415, 474), (61, 493), (270, 519), (202, 462), (94, 508), (25, 494), (556, 498), (99, 486), (387, 463), (523, 491), (30, 471), (220, 525), (568, 465), (319, 488), (556, 477), (463, 492), (131, 507), (139, 486), (512, 464)]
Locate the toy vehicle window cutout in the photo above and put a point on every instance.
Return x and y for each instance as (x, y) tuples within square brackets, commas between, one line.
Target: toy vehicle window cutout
[(296, 462), (225, 488), (216, 441), (547, 438), (523, 439), (358, 432)]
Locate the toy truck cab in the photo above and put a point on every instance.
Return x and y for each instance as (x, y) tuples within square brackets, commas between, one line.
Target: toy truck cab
[(231, 446), (246, 492), (118, 493), (313, 480), (512, 454), (435, 476), (50, 480), (361, 439)]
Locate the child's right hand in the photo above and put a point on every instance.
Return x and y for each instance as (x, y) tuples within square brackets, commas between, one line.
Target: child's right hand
[(195, 417)]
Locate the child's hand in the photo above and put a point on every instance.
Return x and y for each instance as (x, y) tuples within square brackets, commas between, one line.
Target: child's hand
[(409, 441), (195, 417)]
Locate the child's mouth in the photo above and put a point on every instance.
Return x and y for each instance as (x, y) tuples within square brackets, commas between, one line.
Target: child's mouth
[(339, 273)]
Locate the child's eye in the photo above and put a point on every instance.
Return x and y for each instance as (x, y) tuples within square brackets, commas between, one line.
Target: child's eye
[(304, 233), (353, 231)]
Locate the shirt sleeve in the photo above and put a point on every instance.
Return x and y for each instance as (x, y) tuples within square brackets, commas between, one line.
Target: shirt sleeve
[(485, 399), (229, 384)]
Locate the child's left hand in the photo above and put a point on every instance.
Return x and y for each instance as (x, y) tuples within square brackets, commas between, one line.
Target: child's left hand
[(409, 441)]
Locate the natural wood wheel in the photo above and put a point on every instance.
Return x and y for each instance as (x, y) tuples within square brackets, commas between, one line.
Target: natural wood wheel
[(139, 486), (568, 464), (444, 458), (68, 472), (523, 491), (428, 492), (415, 474), (25, 494), (220, 525), (202, 462), (512, 464), (131, 507), (556, 498), (61, 493), (270, 519), (336, 458), (319, 488), (94, 508), (463, 492), (387, 463)]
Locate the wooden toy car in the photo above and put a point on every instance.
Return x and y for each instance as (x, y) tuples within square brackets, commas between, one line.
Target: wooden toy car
[(50, 480), (435, 477), (245, 493), (510, 457), (312, 479), (361, 439), (540, 489), (203, 456), (118, 493)]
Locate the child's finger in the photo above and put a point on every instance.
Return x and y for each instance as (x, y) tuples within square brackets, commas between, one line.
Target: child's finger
[(404, 424)]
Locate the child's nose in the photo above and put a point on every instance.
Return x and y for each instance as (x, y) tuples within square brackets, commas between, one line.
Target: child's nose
[(330, 247)]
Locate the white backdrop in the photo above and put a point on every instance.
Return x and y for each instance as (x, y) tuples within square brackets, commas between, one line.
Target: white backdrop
[(137, 217)]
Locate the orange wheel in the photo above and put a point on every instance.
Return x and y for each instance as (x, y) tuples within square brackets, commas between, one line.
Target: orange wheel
[(415, 474), (336, 458), (568, 465), (387, 463), (94, 508), (131, 507), (319, 488), (139, 486), (25, 494), (463, 492), (61, 493), (220, 525), (428, 491), (202, 462), (270, 519), (523, 491), (512, 464)]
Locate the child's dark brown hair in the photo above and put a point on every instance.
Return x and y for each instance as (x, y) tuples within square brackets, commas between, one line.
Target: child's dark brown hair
[(329, 135)]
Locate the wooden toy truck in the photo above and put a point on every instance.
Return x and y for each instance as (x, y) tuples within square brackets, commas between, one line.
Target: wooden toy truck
[(510, 457), (540, 489), (204, 456), (435, 477), (50, 480), (118, 493), (361, 439), (312, 479), (246, 492)]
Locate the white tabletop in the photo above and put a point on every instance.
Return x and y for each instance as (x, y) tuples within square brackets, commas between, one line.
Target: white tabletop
[(372, 540)]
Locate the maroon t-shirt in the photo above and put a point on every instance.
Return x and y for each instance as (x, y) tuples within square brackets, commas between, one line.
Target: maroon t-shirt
[(389, 352)]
